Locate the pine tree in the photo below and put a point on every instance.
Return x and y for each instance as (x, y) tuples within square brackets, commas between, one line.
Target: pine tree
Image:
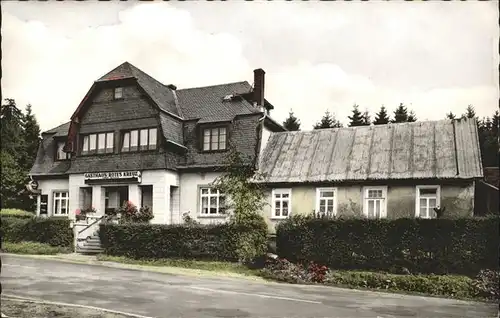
[(31, 137), (357, 117), (12, 153), (470, 112), (381, 118), (400, 114), (291, 123), (450, 115), (366, 118), (412, 117), (327, 121), (12, 121)]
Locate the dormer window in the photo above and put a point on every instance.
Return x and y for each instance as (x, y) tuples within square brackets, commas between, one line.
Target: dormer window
[(139, 140), (118, 93), (214, 139), (60, 154)]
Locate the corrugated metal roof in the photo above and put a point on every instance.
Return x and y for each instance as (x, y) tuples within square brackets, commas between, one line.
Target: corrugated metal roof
[(420, 150)]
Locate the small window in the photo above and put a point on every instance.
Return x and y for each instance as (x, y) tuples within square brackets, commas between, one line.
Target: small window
[(144, 139), (98, 143), (428, 198), (326, 202), (281, 203), (61, 203), (60, 154), (375, 202), (118, 92), (212, 202), (214, 139)]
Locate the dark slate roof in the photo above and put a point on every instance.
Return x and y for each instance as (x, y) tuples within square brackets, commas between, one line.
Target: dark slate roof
[(61, 130), (163, 96), (201, 102), (421, 150)]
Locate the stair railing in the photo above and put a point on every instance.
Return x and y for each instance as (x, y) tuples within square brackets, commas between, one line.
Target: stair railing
[(107, 217)]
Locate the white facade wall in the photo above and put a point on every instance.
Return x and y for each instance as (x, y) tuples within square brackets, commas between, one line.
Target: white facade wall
[(190, 196), (161, 180), (48, 187)]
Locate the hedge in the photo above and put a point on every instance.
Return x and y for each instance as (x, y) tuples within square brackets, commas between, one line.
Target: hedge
[(201, 242), (439, 246), (16, 213), (52, 231)]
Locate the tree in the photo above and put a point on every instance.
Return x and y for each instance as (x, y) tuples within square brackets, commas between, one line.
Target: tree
[(357, 117), (400, 114), (381, 117), (366, 118), (245, 200), (31, 137), (470, 112), (450, 115), (292, 123), (12, 130), (327, 121), (412, 117)]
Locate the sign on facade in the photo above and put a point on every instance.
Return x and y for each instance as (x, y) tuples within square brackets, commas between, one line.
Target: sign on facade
[(112, 175)]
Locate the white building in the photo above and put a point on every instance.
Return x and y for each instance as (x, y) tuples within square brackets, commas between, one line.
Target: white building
[(134, 138)]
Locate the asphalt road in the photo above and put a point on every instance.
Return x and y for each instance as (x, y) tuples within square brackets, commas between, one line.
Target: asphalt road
[(162, 295)]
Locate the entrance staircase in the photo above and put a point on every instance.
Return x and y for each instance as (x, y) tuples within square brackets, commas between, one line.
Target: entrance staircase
[(89, 245)]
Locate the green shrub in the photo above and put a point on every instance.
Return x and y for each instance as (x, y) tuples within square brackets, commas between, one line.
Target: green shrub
[(52, 231), (16, 213), (439, 246), (438, 285), (33, 248), (203, 242)]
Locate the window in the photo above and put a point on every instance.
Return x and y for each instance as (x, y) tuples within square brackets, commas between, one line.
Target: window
[(281, 203), (61, 203), (60, 154), (143, 139), (118, 92), (326, 201), (214, 139), (147, 196), (212, 202), (98, 143), (428, 198), (375, 202)]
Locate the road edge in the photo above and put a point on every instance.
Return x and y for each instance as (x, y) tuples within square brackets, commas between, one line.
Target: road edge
[(47, 302)]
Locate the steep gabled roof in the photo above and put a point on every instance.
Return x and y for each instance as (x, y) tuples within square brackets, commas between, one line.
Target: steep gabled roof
[(442, 149), (208, 101), (163, 96), (61, 130)]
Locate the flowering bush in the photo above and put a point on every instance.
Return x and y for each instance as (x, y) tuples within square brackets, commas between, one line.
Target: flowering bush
[(317, 272), (81, 214), (130, 213), (283, 270), (486, 284)]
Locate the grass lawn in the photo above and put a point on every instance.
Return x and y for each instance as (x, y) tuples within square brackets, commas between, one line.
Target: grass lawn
[(33, 248), (213, 266)]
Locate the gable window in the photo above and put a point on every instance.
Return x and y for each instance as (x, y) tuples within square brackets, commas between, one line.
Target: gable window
[(118, 92), (98, 143), (326, 201), (214, 139), (281, 203), (60, 154), (213, 202), (61, 203), (142, 139), (375, 202), (428, 198)]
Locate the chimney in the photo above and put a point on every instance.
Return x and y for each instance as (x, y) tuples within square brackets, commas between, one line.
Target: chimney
[(258, 87), (172, 87)]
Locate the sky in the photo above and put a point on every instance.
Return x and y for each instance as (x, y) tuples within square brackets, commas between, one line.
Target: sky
[(435, 57)]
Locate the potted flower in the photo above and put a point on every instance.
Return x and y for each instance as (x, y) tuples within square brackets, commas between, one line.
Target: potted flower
[(81, 214)]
